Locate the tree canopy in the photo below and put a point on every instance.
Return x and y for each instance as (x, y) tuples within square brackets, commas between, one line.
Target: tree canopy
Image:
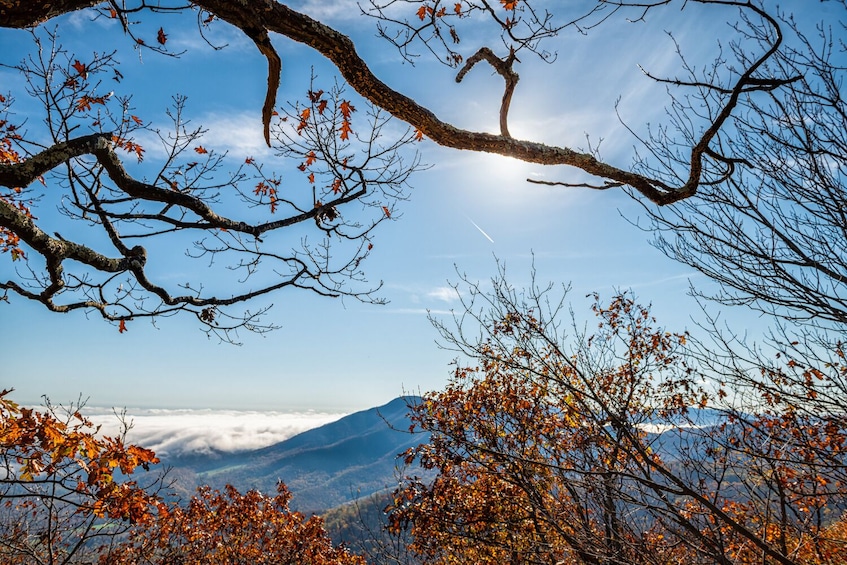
[(621, 443)]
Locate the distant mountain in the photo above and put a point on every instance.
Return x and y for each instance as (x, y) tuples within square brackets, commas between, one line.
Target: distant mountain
[(325, 467)]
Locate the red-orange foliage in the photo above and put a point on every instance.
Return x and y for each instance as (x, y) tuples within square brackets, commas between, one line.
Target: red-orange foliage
[(543, 452), (9, 240), (65, 490), (228, 528)]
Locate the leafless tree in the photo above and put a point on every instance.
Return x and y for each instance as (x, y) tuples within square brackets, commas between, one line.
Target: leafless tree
[(774, 232)]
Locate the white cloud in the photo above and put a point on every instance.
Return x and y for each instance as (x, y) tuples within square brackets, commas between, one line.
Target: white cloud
[(328, 10), (191, 432), (239, 133), (444, 293)]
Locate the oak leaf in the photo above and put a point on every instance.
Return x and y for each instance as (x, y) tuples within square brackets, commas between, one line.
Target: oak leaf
[(80, 68)]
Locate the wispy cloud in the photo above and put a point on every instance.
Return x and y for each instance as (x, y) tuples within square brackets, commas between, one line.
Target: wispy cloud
[(418, 311), (239, 133), (444, 293), (329, 10), (191, 432)]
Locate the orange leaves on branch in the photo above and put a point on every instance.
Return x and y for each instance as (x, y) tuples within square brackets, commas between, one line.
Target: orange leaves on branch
[(509, 4), (9, 240), (80, 68), (426, 10), (316, 98), (122, 326), (419, 135), (228, 526), (304, 116), (268, 188), (346, 110), (161, 37), (79, 465), (85, 102), (315, 114), (386, 211), (129, 146), (201, 150)]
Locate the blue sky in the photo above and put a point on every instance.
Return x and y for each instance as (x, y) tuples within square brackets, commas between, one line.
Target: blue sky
[(341, 355)]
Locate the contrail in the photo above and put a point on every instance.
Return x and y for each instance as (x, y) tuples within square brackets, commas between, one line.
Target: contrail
[(488, 237)]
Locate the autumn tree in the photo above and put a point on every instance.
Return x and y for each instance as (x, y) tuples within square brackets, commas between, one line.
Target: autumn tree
[(337, 171), (233, 528), (621, 444), (66, 492), (352, 170)]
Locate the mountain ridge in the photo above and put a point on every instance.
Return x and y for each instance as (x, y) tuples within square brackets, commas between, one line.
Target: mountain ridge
[(350, 458)]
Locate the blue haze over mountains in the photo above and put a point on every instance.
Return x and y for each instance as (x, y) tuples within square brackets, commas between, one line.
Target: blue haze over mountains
[(325, 467), (346, 460)]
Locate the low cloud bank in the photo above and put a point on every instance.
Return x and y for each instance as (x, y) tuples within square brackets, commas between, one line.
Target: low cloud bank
[(175, 433)]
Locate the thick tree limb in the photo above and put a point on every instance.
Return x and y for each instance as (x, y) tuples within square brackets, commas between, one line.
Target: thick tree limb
[(504, 69), (258, 18)]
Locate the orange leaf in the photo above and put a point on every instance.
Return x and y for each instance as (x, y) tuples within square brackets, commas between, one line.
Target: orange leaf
[(387, 211), (122, 326), (312, 178), (80, 68), (418, 135), (336, 186), (310, 158), (200, 149), (161, 37), (423, 11), (458, 8), (137, 120), (347, 109), (509, 4)]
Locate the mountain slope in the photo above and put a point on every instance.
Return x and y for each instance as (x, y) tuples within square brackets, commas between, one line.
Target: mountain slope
[(324, 467)]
